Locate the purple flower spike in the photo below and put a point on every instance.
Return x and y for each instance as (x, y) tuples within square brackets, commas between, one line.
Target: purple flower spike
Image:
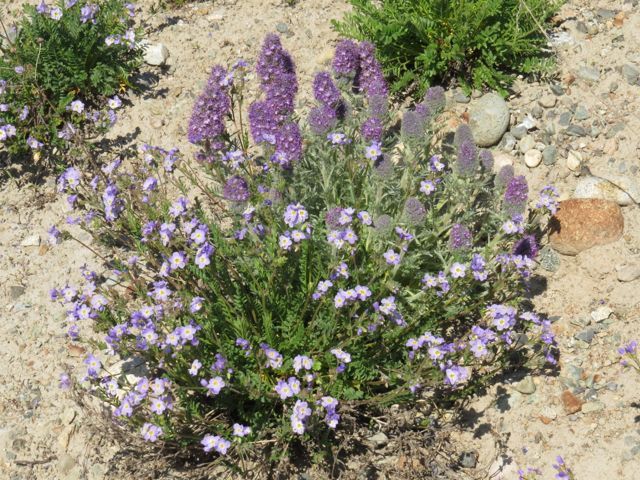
[(504, 176), (210, 110), (264, 120), (277, 73), (346, 60), (324, 90), (435, 99), (467, 160), (414, 211), (460, 237), (322, 119), (370, 79), (236, 189), (413, 125), (288, 144), (372, 129), (516, 195)]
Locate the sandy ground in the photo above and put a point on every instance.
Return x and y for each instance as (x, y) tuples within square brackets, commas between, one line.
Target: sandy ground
[(43, 433)]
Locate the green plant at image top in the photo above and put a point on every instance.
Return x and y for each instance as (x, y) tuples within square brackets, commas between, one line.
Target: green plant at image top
[(480, 43), (71, 51)]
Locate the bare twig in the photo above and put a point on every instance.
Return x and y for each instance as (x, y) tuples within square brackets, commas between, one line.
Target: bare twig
[(27, 463)]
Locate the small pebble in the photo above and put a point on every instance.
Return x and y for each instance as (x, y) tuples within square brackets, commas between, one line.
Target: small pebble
[(581, 113), (574, 160), (549, 154), (557, 89), (565, 119), (628, 273), (576, 130), (469, 459), (549, 259), (548, 101), (533, 158)]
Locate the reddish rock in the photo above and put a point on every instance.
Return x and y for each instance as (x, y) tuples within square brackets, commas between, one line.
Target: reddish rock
[(571, 403), (582, 223)]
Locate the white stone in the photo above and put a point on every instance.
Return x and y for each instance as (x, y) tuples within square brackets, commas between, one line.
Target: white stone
[(602, 313), (31, 241), (488, 119), (155, 54), (533, 158), (528, 122), (574, 160), (596, 187)]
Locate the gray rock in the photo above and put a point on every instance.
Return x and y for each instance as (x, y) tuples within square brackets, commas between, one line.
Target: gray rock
[(282, 27), (519, 131), (378, 440), (550, 155), (596, 187), (550, 129), (557, 89), (581, 113), (613, 86), (618, 127), (16, 291), (155, 54), (565, 119), (582, 27), (605, 13), (460, 97), (549, 259), (630, 73), (489, 119), (628, 273), (469, 459), (588, 74), (526, 386), (585, 335), (576, 130), (527, 143), (508, 142), (537, 111)]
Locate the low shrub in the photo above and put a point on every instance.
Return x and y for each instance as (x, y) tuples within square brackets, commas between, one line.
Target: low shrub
[(479, 43), (293, 280), (61, 74)]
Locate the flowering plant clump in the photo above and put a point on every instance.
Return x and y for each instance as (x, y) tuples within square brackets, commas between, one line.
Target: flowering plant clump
[(294, 276), (60, 76)]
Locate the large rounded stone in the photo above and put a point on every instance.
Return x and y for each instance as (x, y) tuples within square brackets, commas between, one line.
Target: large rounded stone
[(582, 223), (489, 119)]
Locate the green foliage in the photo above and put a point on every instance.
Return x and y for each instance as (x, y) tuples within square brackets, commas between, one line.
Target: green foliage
[(479, 43), (60, 55)]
